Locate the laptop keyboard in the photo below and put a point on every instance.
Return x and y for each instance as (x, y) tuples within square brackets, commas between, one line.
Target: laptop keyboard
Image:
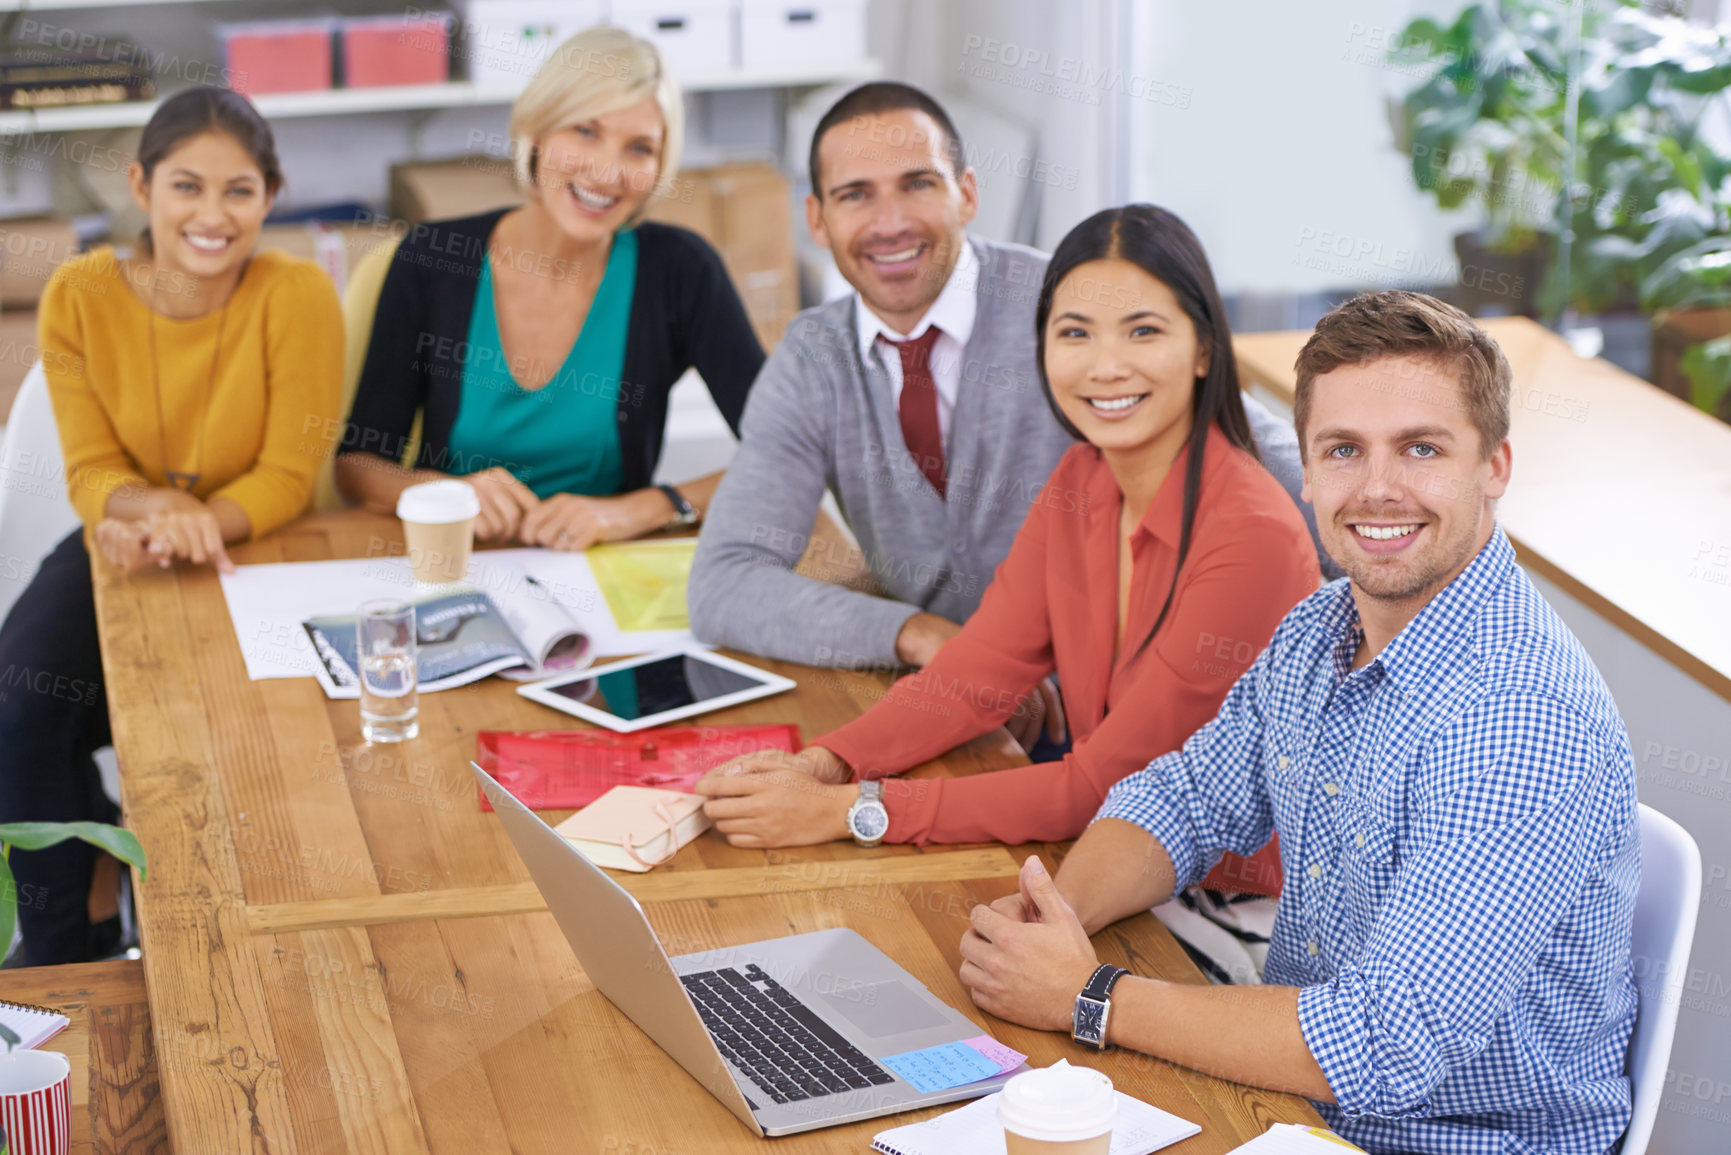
[(777, 1041)]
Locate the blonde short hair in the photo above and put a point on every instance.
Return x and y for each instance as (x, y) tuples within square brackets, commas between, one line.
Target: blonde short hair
[(597, 71)]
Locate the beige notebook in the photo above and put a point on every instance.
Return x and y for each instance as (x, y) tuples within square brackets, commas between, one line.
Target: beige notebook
[(656, 823)]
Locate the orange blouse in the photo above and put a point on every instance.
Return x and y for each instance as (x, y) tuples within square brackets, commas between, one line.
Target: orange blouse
[(1053, 604)]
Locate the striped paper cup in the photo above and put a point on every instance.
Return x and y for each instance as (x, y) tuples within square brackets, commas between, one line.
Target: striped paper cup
[(34, 1090)]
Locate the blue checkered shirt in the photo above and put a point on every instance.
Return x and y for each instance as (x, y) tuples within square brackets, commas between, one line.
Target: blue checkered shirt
[(1459, 836)]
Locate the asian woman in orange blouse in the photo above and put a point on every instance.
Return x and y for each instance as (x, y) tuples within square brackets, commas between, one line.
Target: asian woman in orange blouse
[(1150, 572)]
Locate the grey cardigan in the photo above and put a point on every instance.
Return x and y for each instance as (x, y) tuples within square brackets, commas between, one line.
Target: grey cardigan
[(822, 417)]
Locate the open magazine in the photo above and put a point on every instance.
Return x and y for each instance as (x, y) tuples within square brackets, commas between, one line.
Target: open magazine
[(463, 634)]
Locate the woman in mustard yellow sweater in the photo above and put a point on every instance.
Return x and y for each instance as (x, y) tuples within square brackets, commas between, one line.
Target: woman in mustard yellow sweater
[(195, 385)]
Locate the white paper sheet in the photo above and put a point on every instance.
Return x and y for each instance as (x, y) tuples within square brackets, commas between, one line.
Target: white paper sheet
[(267, 603)]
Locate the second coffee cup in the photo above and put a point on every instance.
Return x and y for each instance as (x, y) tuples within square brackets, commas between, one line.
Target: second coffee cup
[(1058, 1110), (439, 527)]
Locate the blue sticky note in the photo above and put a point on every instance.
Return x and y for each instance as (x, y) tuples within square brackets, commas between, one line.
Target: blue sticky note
[(939, 1068)]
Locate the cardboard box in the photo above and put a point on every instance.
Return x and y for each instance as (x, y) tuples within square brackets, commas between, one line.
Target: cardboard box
[(795, 33), (406, 48), (18, 354), (431, 190), (265, 56), (694, 37), (30, 250), (336, 248), (744, 210), (505, 42)]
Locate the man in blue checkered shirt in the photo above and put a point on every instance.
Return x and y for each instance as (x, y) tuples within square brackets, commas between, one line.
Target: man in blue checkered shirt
[(1450, 780)]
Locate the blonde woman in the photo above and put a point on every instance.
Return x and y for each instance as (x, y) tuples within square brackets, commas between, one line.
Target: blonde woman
[(539, 344)]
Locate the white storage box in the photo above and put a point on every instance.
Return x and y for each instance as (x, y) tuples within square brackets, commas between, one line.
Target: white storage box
[(796, 33), (695, 37), (504, 42)]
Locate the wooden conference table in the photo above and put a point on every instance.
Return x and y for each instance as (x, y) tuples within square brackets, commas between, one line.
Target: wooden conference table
[(344, 954)]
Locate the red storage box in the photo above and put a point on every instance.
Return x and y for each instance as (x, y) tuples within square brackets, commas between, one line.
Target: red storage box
[(382, 51), (278, 55)]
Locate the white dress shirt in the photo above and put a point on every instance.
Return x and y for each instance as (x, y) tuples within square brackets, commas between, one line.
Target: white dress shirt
[(953, 314)]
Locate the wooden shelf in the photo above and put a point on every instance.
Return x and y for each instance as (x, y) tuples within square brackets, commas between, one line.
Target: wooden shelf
[(407, 98), (44, 5)]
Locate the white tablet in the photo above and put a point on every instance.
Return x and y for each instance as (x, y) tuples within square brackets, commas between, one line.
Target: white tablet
[(655, 689)]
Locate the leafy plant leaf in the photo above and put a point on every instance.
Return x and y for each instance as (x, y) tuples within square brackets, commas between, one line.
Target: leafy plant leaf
[(1708, 369), (121, 843), (8, 915)]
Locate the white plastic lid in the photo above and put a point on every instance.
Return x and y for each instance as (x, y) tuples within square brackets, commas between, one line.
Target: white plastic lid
[(438, 502), (1058, 1104)]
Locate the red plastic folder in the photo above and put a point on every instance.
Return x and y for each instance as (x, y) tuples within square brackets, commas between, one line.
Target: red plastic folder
[(567, 769)]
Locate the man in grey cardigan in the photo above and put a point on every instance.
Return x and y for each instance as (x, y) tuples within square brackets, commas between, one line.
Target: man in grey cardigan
[(844, 396)]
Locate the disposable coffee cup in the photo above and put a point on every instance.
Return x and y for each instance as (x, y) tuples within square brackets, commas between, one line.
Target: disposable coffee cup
[(439, 526), (1058, 1110)]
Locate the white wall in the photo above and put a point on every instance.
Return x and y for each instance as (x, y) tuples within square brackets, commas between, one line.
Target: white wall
[(1045, 66), (1264, 125), (1282, 157), (1681, 734)]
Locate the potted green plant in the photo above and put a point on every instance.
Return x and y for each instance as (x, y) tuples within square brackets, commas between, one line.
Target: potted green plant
[(1690, 294), (123, 844), (1484, 128), (1652, 179), (1487, 126)]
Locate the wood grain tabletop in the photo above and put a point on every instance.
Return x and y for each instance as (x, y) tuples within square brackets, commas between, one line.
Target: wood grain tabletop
[(344, 954)]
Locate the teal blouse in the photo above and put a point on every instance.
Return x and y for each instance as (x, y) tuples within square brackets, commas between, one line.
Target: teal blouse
[(564, 436)]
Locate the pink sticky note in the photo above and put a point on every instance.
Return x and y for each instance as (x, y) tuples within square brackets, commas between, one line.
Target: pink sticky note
[(996, 1052)]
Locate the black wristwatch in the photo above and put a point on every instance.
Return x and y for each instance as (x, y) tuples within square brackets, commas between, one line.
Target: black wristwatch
[(1094, 1006), (684, 513)]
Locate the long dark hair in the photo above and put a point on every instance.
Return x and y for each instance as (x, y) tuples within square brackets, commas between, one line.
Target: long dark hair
[(197, 111), (1164, 247)]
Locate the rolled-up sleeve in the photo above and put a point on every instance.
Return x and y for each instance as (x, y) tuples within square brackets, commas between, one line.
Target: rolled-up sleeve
[(1208, 796), (1524, 793)]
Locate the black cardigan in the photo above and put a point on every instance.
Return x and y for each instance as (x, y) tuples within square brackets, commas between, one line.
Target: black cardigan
[(684, 313)]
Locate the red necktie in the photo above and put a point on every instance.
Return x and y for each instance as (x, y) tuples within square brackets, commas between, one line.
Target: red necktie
[(919, 407)]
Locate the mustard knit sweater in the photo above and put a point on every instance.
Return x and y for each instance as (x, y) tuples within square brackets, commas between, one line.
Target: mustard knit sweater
[(249, 394)]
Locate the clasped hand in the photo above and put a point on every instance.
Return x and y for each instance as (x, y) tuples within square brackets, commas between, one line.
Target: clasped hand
[(1026, 957), (510, 511), (175, 524)]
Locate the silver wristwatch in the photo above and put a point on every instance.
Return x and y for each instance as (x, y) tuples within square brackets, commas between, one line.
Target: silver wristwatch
[(867, 820), (1094, 1007)]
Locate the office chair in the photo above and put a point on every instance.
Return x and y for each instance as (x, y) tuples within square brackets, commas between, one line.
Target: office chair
[(1665, 910)]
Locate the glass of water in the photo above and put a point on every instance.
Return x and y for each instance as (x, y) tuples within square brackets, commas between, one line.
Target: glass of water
[(390, 706)]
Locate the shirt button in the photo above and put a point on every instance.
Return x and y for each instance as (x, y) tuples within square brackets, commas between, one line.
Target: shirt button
[(1282, 762), (1311, 946), (1331, 788), (1316, 871), (1358, 840)]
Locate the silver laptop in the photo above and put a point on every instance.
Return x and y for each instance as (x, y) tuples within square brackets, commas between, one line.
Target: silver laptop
[(786, 1033)]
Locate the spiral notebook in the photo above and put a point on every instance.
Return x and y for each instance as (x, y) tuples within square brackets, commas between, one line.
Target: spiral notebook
[(32, 1024), (975, 1130)]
